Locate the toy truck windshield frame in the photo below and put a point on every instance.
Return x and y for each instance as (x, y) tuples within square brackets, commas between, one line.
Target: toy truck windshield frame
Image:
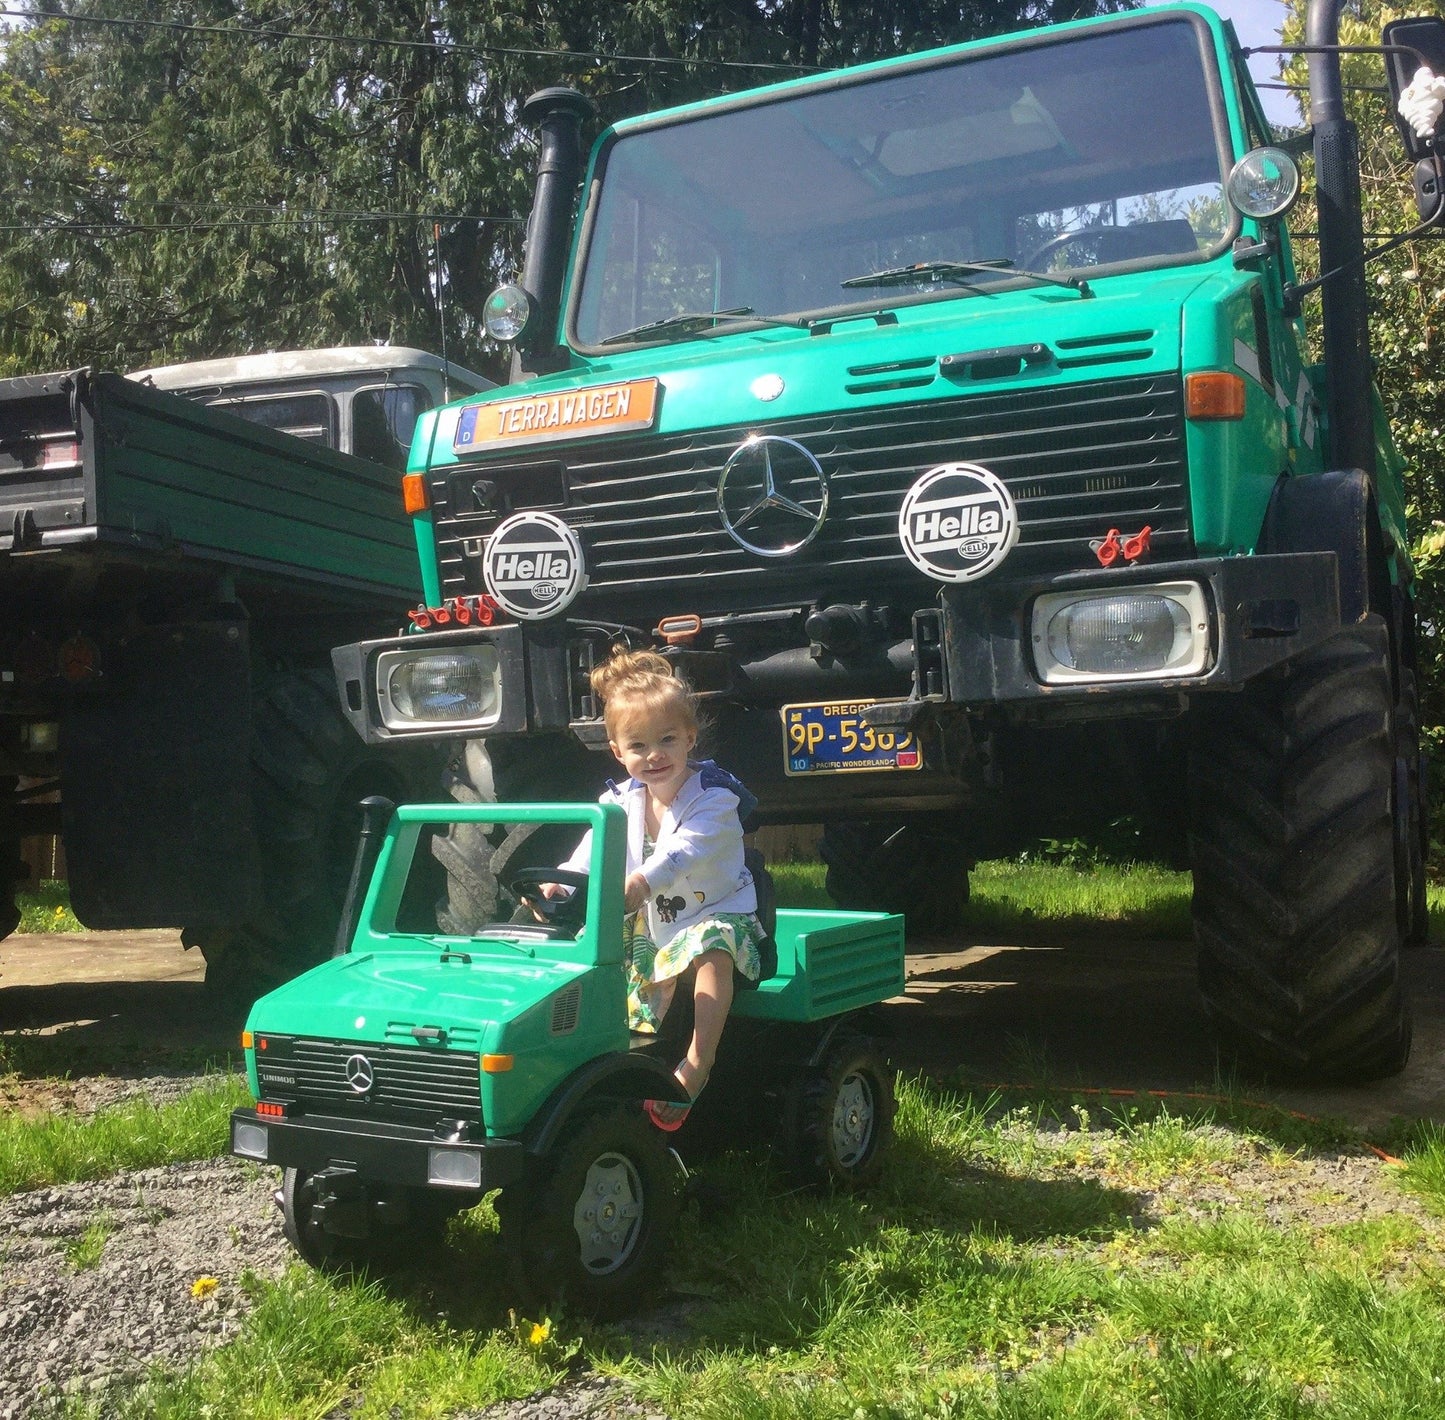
[(599, 940)]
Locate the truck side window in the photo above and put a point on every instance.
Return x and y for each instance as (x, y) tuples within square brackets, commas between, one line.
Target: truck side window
[(307, 416), (382, 420)]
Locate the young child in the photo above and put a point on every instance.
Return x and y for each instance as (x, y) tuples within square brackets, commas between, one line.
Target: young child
[(691, 904)]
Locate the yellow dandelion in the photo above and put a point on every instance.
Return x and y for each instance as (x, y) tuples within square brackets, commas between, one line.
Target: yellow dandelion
[(202, 1287), (541, 1330)]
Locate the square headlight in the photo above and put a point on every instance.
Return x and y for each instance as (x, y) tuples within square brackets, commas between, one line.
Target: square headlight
[(459, 686), (1122, 633)]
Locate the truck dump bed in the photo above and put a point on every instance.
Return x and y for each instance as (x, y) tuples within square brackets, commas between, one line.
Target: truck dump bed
[(96, 459)]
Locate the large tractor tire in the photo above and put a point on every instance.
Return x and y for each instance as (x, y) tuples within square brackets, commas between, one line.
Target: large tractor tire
[(310, 771), (1293, 842), (913, 867), (538, 769)]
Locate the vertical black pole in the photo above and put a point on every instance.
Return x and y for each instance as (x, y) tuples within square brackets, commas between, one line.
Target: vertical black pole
[(1346, 326)]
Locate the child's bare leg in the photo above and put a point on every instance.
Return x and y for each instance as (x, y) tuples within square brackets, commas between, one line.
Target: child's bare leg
[(712, 998)]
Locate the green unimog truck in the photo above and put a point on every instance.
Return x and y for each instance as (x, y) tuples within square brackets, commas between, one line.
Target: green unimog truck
[(951, 422)]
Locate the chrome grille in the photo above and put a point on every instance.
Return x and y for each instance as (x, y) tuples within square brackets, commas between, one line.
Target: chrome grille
[(417, 1079), (1079, 459)]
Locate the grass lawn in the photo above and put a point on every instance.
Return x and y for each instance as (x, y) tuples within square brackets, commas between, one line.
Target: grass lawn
[(1024, 1258), (1035, 1261)]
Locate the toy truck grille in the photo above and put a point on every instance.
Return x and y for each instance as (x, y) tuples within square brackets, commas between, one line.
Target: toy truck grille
[(409, 1079), (1077, 458)]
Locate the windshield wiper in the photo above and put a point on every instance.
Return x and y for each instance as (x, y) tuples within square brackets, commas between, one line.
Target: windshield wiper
[(691, 322), (953, 272)]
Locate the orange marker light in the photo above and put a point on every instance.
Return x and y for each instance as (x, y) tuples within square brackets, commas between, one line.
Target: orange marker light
[(415, 496), (247, 1040), (1214, 394), (497, 1064)]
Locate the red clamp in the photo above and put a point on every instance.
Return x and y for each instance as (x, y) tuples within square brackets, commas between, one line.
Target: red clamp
[(1109, 550), (464, 611), (1137, 546)]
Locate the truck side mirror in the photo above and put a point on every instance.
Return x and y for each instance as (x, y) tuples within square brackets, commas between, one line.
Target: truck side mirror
[(1426, 36)]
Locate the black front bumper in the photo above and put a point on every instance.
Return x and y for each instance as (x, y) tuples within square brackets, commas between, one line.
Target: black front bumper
[(1265, 609), (378, 1152)]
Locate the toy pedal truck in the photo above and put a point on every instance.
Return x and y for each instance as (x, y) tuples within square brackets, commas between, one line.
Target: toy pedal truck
[(423, 1067)]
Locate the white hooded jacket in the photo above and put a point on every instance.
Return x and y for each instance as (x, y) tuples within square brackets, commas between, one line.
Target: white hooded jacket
[(696, 866)]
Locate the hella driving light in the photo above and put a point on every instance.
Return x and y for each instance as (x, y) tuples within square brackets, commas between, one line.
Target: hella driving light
[(506, 313), (1126, 633), (454, 1168), (248, 1140), (453, 687)]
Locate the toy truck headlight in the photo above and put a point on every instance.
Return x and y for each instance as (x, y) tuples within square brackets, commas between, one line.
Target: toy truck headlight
[(453, 687), (1125, 633), (249, 1140)]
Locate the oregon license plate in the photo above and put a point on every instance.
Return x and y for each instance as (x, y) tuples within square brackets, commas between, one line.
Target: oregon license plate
[(831, 738)]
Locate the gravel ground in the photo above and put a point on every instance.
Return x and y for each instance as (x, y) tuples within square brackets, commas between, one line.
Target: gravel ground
[(67, 1326)]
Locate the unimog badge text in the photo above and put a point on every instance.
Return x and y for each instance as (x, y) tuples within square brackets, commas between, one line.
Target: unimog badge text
[(958, 522)]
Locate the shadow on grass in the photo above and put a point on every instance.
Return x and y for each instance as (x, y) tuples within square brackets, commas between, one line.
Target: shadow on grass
[(126, 1029)]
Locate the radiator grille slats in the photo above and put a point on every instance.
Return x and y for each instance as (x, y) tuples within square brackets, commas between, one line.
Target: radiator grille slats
[(1079, 459), (415, 1079)]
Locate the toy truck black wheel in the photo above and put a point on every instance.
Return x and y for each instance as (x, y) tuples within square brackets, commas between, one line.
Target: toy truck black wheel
[(543, 768), (589, 1224), (913, 867), (1293, 842), (309, 773), (425, 1215), (839, 1118)]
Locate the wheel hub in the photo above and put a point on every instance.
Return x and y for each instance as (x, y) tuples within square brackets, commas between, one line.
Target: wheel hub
[(853, 1119), (608, 1213)]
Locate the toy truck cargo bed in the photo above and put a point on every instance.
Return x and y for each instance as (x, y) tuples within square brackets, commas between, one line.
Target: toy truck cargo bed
[(828, 963)]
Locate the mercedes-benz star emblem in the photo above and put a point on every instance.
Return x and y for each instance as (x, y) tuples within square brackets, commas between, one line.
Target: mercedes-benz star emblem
[(769, 487), (359, 1074)]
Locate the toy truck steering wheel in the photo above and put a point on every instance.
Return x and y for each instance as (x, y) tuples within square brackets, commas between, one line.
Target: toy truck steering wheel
[(569, 912)]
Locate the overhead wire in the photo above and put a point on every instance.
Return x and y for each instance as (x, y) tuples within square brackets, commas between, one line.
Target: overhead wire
[(386, 41)]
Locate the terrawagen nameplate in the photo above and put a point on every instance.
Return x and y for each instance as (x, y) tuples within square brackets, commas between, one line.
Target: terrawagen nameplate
[(831, 738), (569, 414)]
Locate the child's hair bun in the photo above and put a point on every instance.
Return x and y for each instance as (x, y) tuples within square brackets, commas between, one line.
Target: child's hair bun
[(628, 670)]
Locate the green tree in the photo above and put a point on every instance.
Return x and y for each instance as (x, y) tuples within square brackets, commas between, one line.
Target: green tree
[(202, 177)]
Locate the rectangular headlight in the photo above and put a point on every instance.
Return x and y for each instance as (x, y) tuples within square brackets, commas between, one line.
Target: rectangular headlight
[(1122, 633), (249, 1140), (454, 1168), (460, 686)]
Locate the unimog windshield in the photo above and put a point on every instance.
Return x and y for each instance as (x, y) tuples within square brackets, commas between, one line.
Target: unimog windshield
[(1063, 154)]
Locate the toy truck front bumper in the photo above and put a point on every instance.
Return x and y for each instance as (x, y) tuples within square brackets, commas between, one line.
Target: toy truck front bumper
[(380, 1152)]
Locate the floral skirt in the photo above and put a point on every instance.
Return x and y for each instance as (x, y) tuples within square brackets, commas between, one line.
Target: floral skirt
[(651, 970)]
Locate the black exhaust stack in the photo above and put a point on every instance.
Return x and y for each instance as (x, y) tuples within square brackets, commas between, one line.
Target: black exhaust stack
[(376, 813), (558, 115), (1346, 327)]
